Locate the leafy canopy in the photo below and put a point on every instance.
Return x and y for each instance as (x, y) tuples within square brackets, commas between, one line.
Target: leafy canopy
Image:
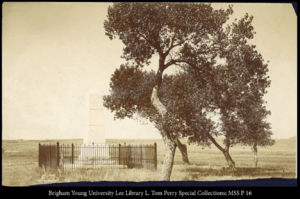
[(189, 29), (220, 70)]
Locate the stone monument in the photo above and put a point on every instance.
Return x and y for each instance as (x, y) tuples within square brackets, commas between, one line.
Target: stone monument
[(94, 122), (94, 131)]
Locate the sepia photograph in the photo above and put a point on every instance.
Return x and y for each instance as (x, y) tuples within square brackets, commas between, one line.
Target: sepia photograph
[(149, 92)]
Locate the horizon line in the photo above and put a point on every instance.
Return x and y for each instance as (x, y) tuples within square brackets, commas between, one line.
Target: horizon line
[(126, 138)]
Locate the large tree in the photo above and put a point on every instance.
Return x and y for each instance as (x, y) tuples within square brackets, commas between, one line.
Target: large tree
[(241, 88), (239, 82), (177, 33)]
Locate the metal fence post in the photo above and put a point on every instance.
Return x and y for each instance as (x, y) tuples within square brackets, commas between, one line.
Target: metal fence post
[(119, 154), (72, 152), (43, 154), (141, 154), (50, 154), (57, 154), (39, 154), (155, 153)]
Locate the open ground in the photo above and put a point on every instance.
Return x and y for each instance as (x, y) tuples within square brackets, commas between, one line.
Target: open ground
[(20, 164)]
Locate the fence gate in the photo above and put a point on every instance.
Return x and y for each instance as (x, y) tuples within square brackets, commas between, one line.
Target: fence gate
[(49, 155)]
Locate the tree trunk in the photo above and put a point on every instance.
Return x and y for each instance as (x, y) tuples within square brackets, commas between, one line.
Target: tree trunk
[(183, 150), (255, 155), (170, 145), (229, 160), (225, 151), (170, 148)]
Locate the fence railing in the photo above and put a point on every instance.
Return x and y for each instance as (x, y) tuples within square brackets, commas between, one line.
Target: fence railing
[(98, 155)]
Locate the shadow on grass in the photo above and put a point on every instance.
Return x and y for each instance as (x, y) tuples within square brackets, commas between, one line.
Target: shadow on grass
[(249, 172)]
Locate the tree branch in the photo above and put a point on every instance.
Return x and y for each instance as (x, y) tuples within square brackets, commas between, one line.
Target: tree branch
[(215, 142), (172, 45)]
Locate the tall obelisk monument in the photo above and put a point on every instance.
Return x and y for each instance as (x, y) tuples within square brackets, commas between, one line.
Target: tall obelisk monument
[(94, 131)]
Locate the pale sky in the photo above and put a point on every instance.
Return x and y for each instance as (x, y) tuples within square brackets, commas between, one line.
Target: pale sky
[(54, 53)]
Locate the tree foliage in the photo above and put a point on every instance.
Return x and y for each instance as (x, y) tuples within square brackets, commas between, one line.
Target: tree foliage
[(185, 34), (157, 28), (131, 90)]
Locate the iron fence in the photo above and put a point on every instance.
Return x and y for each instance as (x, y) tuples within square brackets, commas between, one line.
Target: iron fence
[(98, 156)]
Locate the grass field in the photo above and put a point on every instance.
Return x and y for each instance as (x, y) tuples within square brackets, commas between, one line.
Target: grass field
[(20, 164)]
